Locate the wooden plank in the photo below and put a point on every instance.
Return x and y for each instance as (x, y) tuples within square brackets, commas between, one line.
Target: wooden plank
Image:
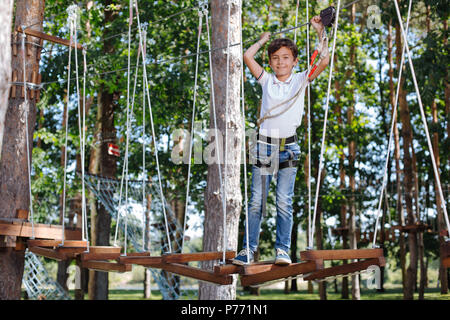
[(101, 253), (197, 256), (228, 269), (278, 272), (145, 261), (346, 268), (138, 254), (49, 37), (58, 243), (41, 231), (342, 254), (196, 273), (48, 253), (106, 266)]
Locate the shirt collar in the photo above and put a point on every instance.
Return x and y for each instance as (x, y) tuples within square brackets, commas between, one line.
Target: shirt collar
[(288, 81)]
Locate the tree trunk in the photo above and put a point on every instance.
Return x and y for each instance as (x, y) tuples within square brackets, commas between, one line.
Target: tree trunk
[(343, 212), (411, 272), (214, 228), (399, 207), (107, 102), (319, 236), (6, 12), (14, 186)]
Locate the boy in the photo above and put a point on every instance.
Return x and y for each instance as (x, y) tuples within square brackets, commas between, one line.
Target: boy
[(277, 149)]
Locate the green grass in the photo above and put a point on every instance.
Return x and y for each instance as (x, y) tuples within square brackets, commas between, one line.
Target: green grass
[(278, 294)]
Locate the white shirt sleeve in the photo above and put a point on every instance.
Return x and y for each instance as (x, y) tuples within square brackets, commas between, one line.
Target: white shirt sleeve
[(264, 77)]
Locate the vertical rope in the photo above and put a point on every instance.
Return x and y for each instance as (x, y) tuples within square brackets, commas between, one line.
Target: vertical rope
[(191, 141), (225, 155), (153, 135), (71, 27), (83, 197), (391, 133), (144, 173), (296, 20), (26, 106), (244, 137), (324, 129), (309, 121)]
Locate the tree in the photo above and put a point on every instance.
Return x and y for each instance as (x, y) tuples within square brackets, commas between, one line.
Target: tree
[(6, 11), (213, 225), (14, 166)]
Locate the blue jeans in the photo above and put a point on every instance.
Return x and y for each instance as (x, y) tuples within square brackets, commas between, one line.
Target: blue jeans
[(284, 194)]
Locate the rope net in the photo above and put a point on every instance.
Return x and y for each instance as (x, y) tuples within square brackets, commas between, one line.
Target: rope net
[(132, 216)]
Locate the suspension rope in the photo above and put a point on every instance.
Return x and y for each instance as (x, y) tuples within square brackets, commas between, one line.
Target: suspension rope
[(391, 132), (201, 11), (153, 131), (144, 173), (244, 137), (26, 106), (213, 100), (309, 124), (424, 120), (71, 21), (225, 156), (322, 149), (296, 20)]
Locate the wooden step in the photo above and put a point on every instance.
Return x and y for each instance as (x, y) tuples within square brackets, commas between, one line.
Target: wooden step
[(343, 254), (274, 272), (101, 253), (197, 273), (345, 268), (48, 253), (58, 243), (12, 227), (197, 256), (148, 261), (106, 266)]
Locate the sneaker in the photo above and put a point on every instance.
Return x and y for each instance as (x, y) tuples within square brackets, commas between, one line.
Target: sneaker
[(282, 257), (241, 258)]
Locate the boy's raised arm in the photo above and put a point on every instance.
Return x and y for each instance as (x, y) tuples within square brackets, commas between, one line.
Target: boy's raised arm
[(249, 55), (317, 24)]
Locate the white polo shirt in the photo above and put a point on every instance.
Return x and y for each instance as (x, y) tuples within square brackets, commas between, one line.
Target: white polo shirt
[(276, 92)]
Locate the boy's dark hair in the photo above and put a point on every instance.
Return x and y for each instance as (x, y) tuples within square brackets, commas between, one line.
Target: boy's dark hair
[(276, 44)]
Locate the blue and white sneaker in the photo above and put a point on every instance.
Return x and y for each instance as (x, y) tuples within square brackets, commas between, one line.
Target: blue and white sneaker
[(241, 258), (282, 257)]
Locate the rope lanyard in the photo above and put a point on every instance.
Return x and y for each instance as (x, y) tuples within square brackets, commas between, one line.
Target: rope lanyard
[(322, 149), (201, 11), (391, 133), (424, 119)]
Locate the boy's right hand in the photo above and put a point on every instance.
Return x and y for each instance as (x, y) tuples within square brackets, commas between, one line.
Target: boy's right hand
[(264, 37)]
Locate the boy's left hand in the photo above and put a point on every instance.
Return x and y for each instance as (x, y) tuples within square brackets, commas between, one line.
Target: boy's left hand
[(316, 23)]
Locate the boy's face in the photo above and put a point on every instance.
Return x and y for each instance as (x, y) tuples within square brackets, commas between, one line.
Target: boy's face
[(282, 62)]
